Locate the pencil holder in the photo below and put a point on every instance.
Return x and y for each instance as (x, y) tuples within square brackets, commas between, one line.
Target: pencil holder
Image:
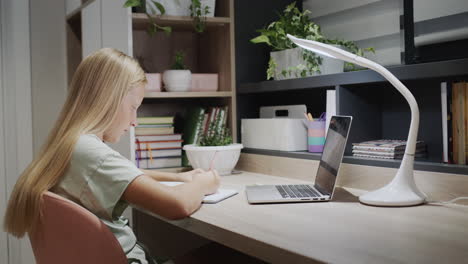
[(316, 135)]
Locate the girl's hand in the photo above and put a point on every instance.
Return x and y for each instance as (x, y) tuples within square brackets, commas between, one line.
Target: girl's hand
[(210, 179), (188, 175)]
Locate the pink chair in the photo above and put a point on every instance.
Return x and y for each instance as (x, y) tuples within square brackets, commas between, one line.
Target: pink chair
[(68, 233)]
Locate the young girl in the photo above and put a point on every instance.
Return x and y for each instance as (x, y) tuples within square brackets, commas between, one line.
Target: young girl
[(105, 93)]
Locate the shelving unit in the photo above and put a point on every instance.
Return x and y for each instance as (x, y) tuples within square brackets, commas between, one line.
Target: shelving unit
[(432, 70), (209, 52), (140, 21), (378, 110)]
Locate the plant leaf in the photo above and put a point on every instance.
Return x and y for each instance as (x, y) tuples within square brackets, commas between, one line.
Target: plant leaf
[(160, 7), (260, 39), (132, 3)]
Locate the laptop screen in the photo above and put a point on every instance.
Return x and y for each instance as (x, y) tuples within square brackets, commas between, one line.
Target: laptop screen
[(332, 155)]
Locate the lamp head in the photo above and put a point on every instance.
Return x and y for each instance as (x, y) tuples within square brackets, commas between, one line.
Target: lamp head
[(324, 49)]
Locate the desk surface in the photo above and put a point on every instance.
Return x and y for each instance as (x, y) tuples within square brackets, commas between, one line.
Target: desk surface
[(341, 231)]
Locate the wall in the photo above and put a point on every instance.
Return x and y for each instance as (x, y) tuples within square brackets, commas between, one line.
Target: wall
[(32, 90), (16, 103), (48, 66), (3, 190), (370, 23)]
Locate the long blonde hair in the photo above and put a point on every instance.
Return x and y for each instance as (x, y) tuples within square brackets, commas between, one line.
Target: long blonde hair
[(96, 91)]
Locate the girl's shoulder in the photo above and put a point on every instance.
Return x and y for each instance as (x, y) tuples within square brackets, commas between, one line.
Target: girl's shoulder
[(90, 148)]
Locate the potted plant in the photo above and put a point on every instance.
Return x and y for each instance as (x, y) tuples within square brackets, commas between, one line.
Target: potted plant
[(141, 5), (289, 61), (197, 9), (178, 78), (215, 149)]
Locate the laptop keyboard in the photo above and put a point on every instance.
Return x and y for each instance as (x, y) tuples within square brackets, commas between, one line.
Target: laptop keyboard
[(297, 191)]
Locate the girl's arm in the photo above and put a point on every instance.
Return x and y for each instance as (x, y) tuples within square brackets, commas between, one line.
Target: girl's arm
[(171, 202), (171, 176)]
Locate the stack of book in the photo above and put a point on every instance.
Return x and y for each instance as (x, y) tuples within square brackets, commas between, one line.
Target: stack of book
[(156, 144), (386, 149), (455, 122)]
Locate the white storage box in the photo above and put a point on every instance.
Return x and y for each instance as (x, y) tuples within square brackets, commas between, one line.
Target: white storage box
[(277, 133)]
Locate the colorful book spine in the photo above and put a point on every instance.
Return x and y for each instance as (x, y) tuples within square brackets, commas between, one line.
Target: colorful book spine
[(157, 163), (458, 122), (166, 144)]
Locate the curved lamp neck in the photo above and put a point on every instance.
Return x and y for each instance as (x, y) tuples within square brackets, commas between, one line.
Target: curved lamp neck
[(414, 125)]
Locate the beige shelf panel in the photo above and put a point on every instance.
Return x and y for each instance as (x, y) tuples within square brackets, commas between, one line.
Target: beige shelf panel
[(141, 21), (186, 94)]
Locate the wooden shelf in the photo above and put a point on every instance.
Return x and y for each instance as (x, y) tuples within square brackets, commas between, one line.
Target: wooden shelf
[(418, 165), (441, 69), (154, 95), (140, 21)]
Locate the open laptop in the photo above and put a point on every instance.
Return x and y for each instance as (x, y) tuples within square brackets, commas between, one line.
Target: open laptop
[(325, 179)]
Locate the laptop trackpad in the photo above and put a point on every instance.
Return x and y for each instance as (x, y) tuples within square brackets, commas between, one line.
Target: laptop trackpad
[(262, 193)]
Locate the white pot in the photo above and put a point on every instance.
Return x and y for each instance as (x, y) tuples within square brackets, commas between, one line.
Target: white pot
[(172, 7), (177, 80), (179, 7), (290, 58), (221, 158), (210, 4)]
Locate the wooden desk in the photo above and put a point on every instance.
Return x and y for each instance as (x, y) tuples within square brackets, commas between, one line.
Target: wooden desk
[(341, 231)]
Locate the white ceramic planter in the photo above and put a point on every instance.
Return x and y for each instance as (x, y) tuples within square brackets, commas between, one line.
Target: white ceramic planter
[(293, 57), (179, 7), (172, 7), (211, 4), (225, 157), (177, 80)]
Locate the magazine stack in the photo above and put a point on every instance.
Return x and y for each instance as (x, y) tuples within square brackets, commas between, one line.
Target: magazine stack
[(386, 149)]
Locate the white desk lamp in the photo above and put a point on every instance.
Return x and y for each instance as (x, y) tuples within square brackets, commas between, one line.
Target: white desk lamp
[(402, 190)]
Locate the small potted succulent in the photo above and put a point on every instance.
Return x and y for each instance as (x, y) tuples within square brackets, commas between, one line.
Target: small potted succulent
[(178, 78), (286, 59), (215, 149)]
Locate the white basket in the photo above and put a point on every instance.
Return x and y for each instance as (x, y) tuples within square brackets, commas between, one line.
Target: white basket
[(274, 133)]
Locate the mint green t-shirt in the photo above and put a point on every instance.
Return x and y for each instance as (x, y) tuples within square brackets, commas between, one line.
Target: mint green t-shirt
[(96, 179)]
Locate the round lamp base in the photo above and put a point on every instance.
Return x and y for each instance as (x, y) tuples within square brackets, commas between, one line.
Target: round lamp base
[(391, 196)]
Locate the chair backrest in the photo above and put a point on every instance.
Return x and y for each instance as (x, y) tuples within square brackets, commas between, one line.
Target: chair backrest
[(68, 233)]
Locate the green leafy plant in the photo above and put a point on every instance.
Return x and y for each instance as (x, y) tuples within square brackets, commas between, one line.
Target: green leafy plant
[(293, 21), (179, 61), (153, 27), (199, 15), (216, 135), (197, 12)]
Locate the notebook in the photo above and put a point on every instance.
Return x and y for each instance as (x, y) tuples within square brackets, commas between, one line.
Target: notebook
[(220, 195)]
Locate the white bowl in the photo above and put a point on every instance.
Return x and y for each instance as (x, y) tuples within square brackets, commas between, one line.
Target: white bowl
[(221, 158)]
